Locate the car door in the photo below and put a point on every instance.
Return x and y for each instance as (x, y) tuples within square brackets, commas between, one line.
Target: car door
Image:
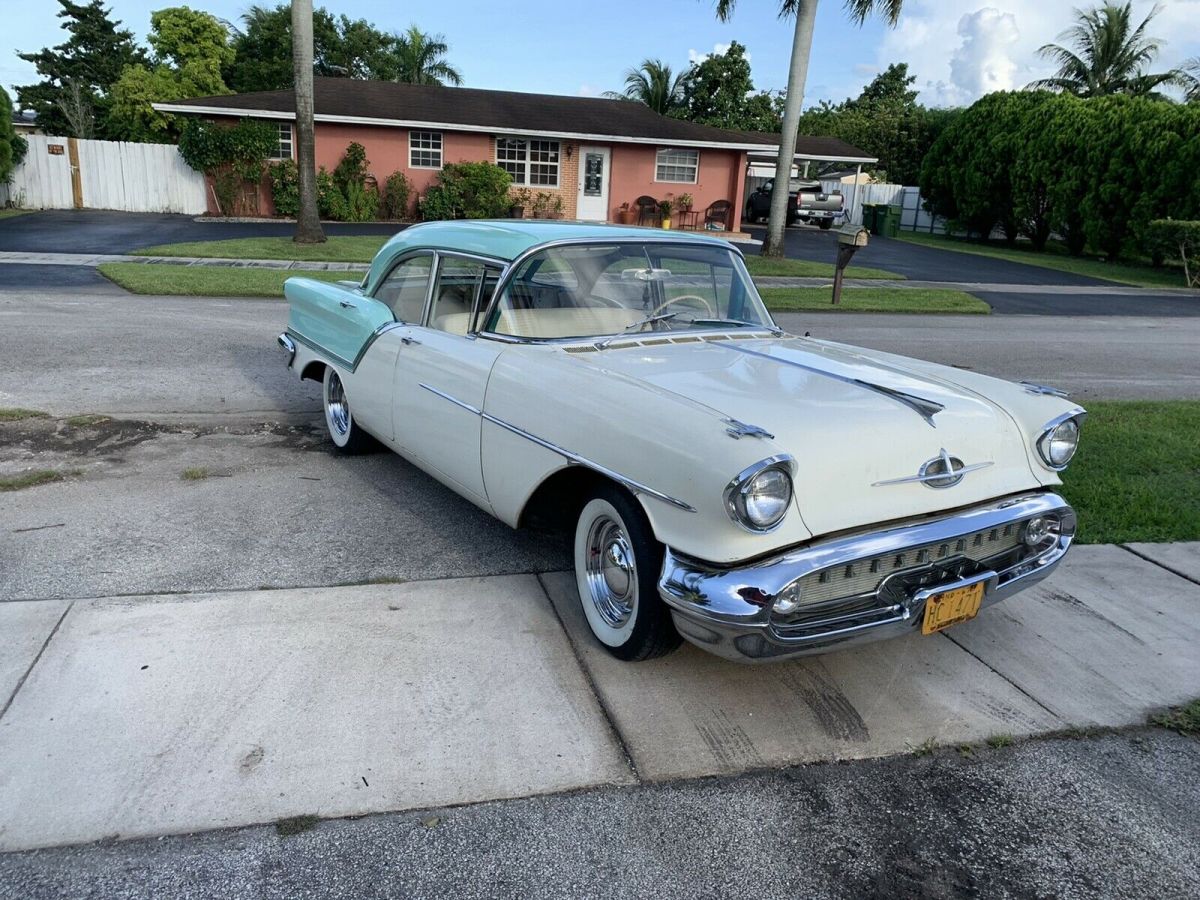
[(442, 372), (403, 294)]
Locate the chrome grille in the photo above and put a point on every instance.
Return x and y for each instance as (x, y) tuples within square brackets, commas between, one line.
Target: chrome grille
[(864, 576)]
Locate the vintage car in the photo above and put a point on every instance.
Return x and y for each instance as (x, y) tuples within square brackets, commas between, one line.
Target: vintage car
[(761, 494)]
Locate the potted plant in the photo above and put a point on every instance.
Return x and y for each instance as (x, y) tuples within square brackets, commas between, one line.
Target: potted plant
[(626, 215), (541, 204), (684, 202), (556, 207), (665, 207), (519, 201)]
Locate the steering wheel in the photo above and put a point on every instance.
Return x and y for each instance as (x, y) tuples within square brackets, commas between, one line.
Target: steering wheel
[(682, 297)]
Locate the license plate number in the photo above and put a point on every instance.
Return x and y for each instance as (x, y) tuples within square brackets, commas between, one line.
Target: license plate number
[(951, 607)]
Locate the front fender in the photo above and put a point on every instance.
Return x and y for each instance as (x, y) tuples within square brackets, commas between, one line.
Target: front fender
[(674, 446)]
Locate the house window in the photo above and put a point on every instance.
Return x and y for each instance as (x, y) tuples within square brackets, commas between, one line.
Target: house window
[(425, 149), (528, 161), (283, 145), (677, 165)]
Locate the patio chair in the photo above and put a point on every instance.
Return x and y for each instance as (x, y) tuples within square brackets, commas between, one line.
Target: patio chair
[(717, 214), (647, 208)]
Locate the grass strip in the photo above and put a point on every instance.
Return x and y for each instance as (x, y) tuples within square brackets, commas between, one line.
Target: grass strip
[(16, 414), (878, 300), (1136, 476), (30, 479), (1056, 257), (209, 281)]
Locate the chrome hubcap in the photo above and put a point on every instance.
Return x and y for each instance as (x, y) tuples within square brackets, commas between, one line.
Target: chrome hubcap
[(611, 571), (337, 410)]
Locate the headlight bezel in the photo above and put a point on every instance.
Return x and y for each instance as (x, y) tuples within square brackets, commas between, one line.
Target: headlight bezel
[(1041, 444), (738, 487)]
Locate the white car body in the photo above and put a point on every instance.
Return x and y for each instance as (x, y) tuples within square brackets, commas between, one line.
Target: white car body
[(675, 417)]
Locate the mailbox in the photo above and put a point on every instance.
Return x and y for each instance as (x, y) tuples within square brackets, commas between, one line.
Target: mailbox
[(852, 236)]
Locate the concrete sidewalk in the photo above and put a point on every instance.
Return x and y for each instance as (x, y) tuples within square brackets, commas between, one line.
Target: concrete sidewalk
[(140, 716)]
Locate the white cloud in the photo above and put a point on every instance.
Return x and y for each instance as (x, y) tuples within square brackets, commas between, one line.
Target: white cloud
[(961, 49), (589, 90), (719, 49)]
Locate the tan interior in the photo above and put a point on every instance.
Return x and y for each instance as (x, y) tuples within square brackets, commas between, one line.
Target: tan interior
[(569, 322)]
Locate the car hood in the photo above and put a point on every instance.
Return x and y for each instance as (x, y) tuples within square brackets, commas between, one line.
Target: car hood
[(851, 422)]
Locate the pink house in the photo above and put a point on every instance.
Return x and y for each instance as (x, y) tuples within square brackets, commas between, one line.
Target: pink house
[(592, 153)]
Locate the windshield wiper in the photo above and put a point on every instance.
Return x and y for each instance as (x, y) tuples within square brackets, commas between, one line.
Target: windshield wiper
[(714, 320), (640, 323)]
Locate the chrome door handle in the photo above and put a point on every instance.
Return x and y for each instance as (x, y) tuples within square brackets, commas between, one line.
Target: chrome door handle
[(409, 341), (346, 304)]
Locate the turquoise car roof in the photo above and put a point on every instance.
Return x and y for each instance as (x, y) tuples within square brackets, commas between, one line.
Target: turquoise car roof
[(506, 239)]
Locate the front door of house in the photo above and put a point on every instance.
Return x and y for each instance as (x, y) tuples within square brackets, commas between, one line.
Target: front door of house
[(594, 165)]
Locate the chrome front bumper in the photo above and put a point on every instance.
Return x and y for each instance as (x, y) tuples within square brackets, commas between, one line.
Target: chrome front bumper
[(737, 612)]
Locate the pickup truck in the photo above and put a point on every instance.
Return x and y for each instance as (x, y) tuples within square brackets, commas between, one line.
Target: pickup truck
[(807, 202)]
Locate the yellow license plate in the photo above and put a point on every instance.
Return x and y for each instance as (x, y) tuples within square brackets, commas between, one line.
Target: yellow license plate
[(951, 607)]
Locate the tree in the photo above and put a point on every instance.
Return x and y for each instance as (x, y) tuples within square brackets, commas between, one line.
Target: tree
[(719, 91), (190, 50), (1110, 55), (419, 58), (885, 120), (78, 74), (1189, 79), (805, 14), (653, 84), (342, 47), (12, 145), (308, 222)]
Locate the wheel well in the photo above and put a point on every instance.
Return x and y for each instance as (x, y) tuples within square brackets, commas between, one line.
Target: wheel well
[(314, 371), (557, 501)]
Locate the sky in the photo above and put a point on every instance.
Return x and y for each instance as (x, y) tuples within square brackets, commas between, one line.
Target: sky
[(958, 49)]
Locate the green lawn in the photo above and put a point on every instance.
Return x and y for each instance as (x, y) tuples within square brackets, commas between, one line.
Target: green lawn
[(16, 413), (1137, 474), (9, 213), (354, 248), (210, 281), (1056, 257), (891, 300), (803, 268), (363, 249)]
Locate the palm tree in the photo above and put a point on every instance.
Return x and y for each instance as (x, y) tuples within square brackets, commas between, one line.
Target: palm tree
[(417, 58), (1110, 55), (653, 85), (1189, 79), (308, 222), (805, 14)]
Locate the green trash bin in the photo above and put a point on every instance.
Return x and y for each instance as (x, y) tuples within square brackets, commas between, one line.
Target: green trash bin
[(870, 213), (890, 225)]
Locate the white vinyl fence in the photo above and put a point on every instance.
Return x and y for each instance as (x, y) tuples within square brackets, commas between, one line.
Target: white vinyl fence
[(112, 175)]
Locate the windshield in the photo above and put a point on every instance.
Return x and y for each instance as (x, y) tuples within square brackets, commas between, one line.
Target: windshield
[(598, 290)]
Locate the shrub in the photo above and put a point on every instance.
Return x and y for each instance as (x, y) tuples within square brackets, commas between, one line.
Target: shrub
[(362, 201), (393, 200), (468, 190), (235, 156), (1178, 238), (285, 188), (353, 167)]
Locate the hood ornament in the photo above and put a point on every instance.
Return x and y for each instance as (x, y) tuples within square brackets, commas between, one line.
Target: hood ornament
[(738, 430), (942, 471)]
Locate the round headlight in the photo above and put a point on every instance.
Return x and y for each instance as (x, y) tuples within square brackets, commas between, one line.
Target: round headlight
[(759, 500), (1058, 443)]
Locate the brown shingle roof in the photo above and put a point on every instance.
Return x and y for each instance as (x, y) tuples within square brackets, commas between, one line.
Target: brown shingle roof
[(475, 109)]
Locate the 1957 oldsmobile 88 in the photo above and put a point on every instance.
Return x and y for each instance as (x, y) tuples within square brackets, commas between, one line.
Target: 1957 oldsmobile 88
[(762, 495)]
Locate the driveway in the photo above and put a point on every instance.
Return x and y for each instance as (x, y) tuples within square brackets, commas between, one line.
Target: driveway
[(922, 263)]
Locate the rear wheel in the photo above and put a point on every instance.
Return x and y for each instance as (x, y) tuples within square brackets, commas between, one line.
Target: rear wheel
[(617, 564), (826, 224), (347, 437)]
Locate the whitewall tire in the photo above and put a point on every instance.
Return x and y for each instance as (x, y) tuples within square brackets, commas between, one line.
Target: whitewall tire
[(617, 566), (347, 437)]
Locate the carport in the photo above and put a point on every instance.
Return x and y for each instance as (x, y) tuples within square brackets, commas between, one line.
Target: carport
[(811, 153)]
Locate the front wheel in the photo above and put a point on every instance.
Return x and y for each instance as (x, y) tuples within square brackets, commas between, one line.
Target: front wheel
[(343, 431), (617, 564)]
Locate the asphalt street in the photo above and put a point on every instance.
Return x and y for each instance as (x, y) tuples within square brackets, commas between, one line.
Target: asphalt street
[(1108, 817)]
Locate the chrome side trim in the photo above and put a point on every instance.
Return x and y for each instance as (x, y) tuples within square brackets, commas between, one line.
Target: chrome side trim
[(926, 409), (313, 345), (574, 458)]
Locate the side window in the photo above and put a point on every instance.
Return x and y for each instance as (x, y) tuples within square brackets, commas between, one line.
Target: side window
[(463, 287), (405, 287)]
